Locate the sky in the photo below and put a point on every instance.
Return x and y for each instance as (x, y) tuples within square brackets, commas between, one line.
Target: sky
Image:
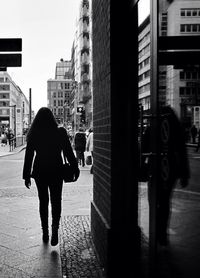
[(47, 29)]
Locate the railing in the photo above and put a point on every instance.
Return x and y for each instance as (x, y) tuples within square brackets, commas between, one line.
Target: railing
[(16, 142)]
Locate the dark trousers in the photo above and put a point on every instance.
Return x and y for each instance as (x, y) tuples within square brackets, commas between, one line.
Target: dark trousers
[(80, 157), (163, 209), (54, 190)]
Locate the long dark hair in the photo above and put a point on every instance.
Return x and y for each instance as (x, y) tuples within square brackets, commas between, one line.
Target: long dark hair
[(43, 122)]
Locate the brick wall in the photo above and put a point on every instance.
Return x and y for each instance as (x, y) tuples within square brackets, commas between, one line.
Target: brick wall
[(114, 220), (100, 210)]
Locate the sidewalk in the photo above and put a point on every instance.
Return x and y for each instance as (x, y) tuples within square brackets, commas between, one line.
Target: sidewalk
[(181, 258), (22, 252)]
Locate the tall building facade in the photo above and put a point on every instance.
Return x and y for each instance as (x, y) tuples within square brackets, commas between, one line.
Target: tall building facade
[(63, 70), (82, 66), (144, 64), (178, 87), (59, 93), (14, 106)]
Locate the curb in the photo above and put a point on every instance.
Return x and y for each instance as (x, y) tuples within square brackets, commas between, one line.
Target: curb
[(11, 153), (177, 193), (186, 194)]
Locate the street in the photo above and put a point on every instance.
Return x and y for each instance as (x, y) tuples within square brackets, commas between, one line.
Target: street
[(76, 196)]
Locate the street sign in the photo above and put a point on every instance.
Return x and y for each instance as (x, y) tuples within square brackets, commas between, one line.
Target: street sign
[(10, 60), (10, 45)]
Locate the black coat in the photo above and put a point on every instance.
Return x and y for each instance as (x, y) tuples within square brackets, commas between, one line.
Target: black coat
[(43, 159), (80, 141)]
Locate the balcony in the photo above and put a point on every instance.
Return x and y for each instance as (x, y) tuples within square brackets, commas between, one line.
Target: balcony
[(85, 69), (85, 4), (86, 18), (85, 78), (85, 93)]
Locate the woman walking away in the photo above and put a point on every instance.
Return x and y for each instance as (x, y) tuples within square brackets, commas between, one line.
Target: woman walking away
[(43, 162)]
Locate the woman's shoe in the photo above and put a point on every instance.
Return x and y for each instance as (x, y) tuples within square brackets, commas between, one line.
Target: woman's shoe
[(45, 236), (54, 237)]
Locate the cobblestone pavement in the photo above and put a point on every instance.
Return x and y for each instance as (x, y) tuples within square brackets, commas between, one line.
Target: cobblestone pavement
[(78, 258)]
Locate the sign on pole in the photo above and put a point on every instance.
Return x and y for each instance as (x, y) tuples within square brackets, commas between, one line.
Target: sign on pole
[(10, 59)]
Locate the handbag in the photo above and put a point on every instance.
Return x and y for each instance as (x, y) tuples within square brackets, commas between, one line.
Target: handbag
[(89, 160), (68, 172)]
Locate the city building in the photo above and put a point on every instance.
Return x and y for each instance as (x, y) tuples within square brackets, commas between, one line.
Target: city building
[(59, 93), (14, 106), (178, 87), (82, 67), (144, 64), (63, 70)]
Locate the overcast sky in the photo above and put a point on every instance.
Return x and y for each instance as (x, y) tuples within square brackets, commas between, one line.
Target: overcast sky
[(47, 30)]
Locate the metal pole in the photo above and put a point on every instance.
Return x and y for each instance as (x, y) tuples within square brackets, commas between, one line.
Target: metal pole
[(15, 132), (30, 107), (154, 134)]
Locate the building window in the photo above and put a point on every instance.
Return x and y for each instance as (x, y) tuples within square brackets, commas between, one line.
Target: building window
[(181, 75), (194, 75), (188, 91), (182, 12), (54, 94), (194, 27), (194, 13), (4, 87), (190, 28), (182, 28), (4, 112), (140, 77), (67, 86), (54, 102), (190, 12), (147, 74), (4, 95), (4, 103)]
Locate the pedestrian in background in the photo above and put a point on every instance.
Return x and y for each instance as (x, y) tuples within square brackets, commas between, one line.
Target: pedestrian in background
[(3, 139), (193, 133), (80, 145), (45, 144), (89, 146)]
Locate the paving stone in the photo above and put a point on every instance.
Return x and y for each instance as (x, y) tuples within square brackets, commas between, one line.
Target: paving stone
[(78, 257)]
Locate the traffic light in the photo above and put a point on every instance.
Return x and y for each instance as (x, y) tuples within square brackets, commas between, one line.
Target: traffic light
[(80, 109), (81, 112), (82, 116)]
